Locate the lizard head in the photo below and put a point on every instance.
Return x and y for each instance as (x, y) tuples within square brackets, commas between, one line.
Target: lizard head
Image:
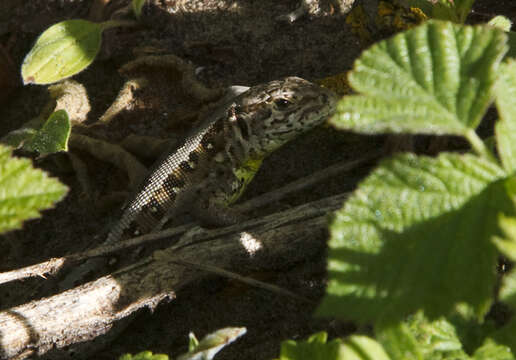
[(271, 114)]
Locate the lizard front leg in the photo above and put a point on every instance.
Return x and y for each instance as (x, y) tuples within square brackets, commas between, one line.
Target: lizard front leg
[(223, 187)]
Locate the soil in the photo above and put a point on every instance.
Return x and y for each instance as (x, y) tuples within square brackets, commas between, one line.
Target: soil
[(237, 42)]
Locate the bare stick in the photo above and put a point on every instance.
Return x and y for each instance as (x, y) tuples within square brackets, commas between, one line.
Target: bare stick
[(296, 214), (306, 182), (48, 325), (53, 265)]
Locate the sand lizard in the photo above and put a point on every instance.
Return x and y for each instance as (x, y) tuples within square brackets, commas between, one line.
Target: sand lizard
[(211, 167)]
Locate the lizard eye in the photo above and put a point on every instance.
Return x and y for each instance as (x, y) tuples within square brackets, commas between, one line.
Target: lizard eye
[(282, 103)]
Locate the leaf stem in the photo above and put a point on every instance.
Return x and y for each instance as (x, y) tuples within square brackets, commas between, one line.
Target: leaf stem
[(115, 23), (478, 145)]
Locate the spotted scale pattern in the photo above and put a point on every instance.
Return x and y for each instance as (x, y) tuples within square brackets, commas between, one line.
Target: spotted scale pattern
[(212, 166)]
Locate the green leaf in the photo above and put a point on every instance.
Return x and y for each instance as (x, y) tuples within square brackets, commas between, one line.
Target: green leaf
[(418, 338), (454, 10), (212, 343), (434, 79), (144, 355), (193, 343), (508, 289), (425, 5), (316, 348), (463, 8), (507, 243), (505, 128), (512, 44), (137, 7), (358, 347), (501, 22), (24, 191), (53, 136), (415, 229), (399, 342), (64, 49), (505, 334), (493, 351), (18, 137)]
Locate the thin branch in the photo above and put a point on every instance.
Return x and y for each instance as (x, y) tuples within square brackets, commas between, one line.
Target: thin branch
[(53, 265), (51, 325), (307, 181)]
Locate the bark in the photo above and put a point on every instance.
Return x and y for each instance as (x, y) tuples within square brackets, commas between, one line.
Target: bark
[(63, 325)]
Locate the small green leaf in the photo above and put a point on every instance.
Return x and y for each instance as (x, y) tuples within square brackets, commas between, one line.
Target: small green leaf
[(193, 343), (212, 343), (508, 289), (418, 338), (358, 347), (18, 137), (453, 10), (501, 22), (434, 79), (425, 5), (24, 191), (144, 355), (53, 136), (64, 49), (492, 351), (512, 44), (137, 7), (505, 334), (507, 244), (505, 91), (415, 229), (399, 342), (316, 348)]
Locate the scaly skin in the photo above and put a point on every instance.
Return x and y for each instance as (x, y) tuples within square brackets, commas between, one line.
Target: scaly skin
[(212, 166)]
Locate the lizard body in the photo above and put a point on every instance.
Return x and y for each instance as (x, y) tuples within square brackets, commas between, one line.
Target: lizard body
[(213, 164)]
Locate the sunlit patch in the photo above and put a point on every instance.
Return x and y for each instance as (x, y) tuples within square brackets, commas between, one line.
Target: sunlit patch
[(250, 243)]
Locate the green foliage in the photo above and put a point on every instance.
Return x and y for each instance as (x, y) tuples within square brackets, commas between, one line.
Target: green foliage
[(418, 338), (144, 355), (211, 344), (410, 234), (434, 79), (423, 234), (317, 348), (206, 349), (193, 343), (512, 44), (64, 49), (137, 7), (501, 22), (505, 128), (53, 135), (453, 10), (17, 138), (24, 191)]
